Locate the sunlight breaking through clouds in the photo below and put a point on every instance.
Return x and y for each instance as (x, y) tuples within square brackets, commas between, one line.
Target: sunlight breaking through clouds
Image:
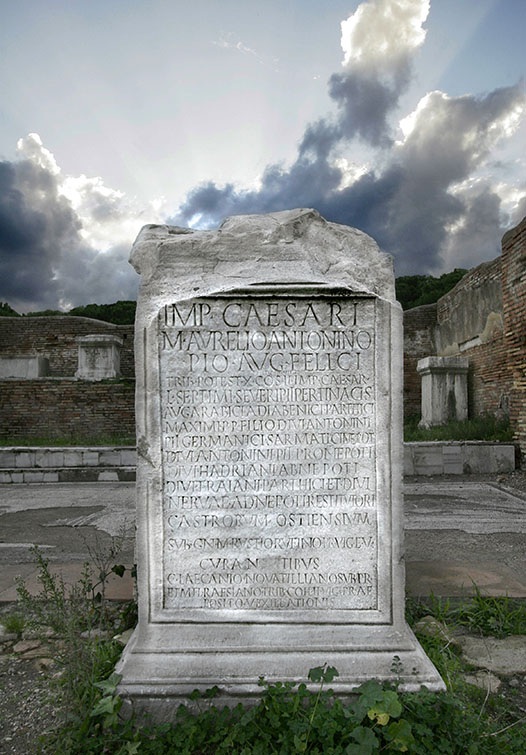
[(436, 187)]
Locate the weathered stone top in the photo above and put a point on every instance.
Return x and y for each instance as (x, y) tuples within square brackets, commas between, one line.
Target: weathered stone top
[(291, 247)]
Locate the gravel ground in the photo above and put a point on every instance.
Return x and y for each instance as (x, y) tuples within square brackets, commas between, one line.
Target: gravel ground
[(28, 705)]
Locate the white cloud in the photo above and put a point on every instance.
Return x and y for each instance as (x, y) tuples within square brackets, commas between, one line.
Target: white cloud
[(383, 31), (65, 240), (229, 42), (108, 217), (31, 148), (460, 131), (350, 171)]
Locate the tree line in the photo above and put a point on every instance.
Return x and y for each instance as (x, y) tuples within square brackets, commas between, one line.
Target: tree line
[(411, 291)]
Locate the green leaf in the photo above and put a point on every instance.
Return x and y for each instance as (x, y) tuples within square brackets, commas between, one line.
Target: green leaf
[(330, 674), (300, 743), (381, 704), (118, 569), (323, 674), (378, 715), (400, 735), (109, 685), (316, 674), (367, 742), (106, 706), (131, 748)]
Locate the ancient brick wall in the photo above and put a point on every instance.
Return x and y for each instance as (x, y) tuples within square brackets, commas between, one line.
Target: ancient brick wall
[(488, 378), (470, 320), (482, 318), (514, 301), (66, 409), (55, 338), (419, 342), (471, 313)]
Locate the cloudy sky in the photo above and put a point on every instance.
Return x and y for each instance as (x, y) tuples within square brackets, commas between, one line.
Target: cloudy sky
[(404, 118)]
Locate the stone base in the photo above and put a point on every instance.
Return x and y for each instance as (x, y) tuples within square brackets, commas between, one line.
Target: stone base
[(162, 666)]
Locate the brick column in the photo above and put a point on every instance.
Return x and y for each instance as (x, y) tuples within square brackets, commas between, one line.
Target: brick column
[(514, 306)]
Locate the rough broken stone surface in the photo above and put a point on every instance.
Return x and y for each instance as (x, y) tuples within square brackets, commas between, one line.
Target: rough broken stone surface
[(24, 646), (293, 246), (505, 656), (484, 680)]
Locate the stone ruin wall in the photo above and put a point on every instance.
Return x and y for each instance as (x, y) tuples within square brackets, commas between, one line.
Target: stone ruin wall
[(470, 323), (60, 406), (55, 337), (419, 342), (514, 304), (483, 318)]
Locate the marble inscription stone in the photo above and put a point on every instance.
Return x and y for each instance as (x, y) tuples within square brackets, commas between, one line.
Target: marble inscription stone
[(268, 359), (268, 435)]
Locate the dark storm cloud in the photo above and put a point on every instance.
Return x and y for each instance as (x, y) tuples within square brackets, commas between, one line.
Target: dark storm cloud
[(36, 227), (45, 263), (478, 234), (414, 198), (378, 40), (365, 104), (408, 206)]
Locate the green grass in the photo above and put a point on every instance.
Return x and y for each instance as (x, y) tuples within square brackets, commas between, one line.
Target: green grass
[(479, 614), (484, 427), (69, 442)]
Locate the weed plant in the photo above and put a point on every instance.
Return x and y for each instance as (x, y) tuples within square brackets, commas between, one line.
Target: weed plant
[(14, 623), (80, 618), (69, 441)]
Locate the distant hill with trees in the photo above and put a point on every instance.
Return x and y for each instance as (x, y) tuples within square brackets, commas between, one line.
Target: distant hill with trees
[(411, 291), (7, 311), (119, 313), (415, 290)]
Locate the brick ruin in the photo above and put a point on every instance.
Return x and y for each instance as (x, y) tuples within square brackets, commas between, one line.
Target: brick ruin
[(482, 318), (59, 406)]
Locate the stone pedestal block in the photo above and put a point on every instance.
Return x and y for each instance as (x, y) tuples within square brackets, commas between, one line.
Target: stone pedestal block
[(99, 357), (444, 389), (269, 439), (25, 367)]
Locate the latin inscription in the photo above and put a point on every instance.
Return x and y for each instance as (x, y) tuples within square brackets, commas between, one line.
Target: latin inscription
[(268, 442)]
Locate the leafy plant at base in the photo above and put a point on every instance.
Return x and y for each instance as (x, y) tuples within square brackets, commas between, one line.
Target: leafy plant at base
[(291, 719), (104, 562)]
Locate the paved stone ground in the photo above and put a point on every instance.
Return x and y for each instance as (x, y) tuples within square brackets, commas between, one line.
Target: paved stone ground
[(459, 532), (66, 521)]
